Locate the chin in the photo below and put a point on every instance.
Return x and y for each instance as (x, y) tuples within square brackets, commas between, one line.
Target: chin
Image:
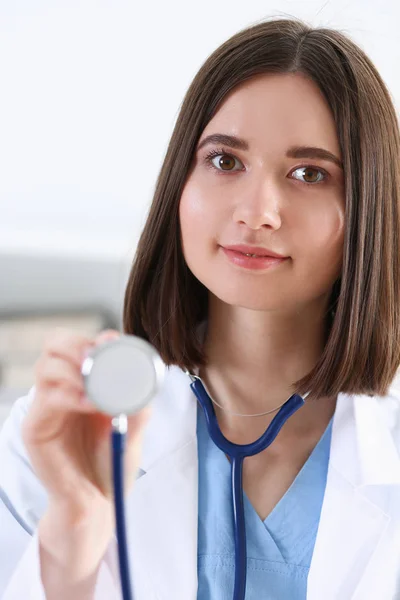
[(243, 298)]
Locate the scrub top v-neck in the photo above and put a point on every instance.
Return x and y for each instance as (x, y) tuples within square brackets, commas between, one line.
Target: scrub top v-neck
[(279, 549)]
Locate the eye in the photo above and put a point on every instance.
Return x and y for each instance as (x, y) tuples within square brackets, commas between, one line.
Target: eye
[(309, 171), (225, 161)]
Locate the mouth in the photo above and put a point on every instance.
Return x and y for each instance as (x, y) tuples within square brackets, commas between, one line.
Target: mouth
[(249, 260), (253, 251), (255, 255)]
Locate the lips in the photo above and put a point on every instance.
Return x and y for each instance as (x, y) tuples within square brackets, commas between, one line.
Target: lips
[(256, 251), (254, 263), (253, 254)]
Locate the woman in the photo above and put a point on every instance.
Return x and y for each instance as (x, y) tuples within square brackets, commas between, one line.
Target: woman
[(287, 142)]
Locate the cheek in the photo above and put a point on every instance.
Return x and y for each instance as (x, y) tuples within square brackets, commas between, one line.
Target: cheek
[(323, 252), (330, 229), (189, 210), (199, 209), (195, 223)]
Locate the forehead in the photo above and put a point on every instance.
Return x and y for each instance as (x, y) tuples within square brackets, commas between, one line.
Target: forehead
[(270, 109)]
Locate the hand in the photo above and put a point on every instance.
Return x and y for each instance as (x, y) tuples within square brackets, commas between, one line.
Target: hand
[(68, 441)]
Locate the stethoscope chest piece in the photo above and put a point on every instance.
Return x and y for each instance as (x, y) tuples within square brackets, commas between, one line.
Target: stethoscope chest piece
[(122, 376)]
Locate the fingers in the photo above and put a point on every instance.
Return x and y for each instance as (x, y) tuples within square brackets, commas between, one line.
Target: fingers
[(68, 345), (73, 346), (65, 435), (59, 382), (51, 414), (51, 371)]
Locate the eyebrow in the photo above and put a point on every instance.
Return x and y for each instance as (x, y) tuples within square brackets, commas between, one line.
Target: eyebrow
[(293, 152)]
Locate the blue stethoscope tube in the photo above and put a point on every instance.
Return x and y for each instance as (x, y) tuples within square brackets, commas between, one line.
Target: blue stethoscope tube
[(118, 439), (236, 452)]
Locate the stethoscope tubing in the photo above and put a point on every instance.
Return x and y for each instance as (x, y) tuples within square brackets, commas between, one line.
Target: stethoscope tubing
[(240, 528), (237, 453), (118, 440)]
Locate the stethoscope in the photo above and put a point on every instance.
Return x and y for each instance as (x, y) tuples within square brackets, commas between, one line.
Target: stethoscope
[(121, 377)]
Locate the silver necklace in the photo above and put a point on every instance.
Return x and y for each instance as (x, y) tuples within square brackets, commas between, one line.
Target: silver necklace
[(267, 412)]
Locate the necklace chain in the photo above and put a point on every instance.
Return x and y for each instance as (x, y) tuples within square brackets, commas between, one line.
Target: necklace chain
[(267, 412)]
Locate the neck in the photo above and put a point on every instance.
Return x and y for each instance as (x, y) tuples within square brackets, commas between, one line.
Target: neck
[(254, 358)]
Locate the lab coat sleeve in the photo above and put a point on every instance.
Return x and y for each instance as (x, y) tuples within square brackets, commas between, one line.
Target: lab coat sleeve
[(23, 500)]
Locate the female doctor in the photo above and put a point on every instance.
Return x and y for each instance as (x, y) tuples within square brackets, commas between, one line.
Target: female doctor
[(286, 146)]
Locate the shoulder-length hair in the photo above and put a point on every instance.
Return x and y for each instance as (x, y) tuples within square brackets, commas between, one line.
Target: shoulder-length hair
[(164, 302)]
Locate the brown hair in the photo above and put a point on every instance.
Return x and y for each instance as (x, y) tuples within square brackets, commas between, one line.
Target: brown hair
[(164, 302)]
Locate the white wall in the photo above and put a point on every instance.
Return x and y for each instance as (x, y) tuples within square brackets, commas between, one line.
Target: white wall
[(89, 94), (90, 91)]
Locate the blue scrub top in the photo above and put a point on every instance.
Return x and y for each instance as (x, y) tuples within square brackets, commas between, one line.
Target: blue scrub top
[(279, 549)]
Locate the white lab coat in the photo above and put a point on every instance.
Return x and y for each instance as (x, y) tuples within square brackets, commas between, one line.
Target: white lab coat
[(357, 550)]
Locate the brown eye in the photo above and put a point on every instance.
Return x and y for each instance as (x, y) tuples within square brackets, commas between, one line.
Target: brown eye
[(226, 162), (221, 161), (311, 175)]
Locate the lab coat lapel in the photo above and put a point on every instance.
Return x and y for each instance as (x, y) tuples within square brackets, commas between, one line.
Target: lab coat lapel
[(352, 523), (163, 505)]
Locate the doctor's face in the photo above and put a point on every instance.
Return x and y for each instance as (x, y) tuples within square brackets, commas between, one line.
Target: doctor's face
[(256, 186)]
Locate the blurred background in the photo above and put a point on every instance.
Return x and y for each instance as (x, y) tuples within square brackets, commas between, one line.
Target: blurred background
[(90, 94)]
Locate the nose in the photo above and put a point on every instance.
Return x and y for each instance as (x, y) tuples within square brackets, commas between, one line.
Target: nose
[(259, 205)]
